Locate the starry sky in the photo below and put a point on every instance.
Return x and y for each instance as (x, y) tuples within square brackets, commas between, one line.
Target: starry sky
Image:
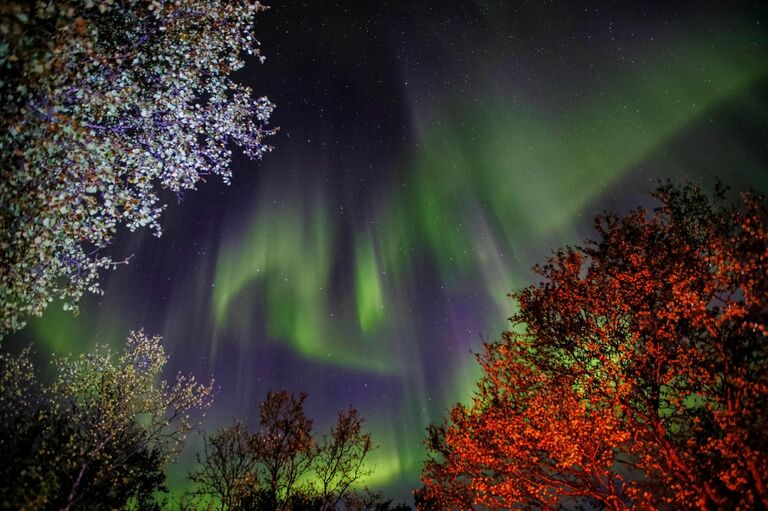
[(430, 152)]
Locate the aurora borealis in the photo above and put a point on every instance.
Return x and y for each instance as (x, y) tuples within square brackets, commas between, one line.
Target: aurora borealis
[(429, 154)]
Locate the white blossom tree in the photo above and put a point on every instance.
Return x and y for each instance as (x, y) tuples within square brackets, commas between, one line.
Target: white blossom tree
[(105, 103)]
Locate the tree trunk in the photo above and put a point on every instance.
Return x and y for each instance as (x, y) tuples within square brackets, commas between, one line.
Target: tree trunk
[(75, 487)]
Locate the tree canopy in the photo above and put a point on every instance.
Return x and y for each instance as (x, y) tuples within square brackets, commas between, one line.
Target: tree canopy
[(99, 436), (636, 374), (282, 465), (104, 104)]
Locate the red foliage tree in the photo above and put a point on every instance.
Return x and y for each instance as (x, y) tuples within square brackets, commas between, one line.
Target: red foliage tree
[(636, 375)]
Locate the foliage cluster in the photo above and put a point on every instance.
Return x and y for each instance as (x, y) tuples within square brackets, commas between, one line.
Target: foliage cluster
[(106, 103), (636, 376), (99, 435)]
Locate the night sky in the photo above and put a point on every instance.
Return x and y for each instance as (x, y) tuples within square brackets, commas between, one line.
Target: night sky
[(429, 153)]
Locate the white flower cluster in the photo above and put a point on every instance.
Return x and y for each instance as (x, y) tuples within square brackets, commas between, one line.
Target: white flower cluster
[(105, 104)]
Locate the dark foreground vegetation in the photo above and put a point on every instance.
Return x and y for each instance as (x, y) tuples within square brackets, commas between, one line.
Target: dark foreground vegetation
[(101, 434)]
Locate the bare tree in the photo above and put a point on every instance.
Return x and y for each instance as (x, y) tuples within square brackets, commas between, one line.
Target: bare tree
[(364, 500), (341, 456), (281, 465), (226, 468), (283, 447)]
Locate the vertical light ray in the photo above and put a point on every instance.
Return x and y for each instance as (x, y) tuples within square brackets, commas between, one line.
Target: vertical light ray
[(368, 286)]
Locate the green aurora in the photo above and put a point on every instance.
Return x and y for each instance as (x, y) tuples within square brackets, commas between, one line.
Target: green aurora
[(490, 185)]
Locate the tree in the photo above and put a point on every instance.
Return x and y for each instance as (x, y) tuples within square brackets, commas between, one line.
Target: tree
[(636, 375), (281, 465), (28, 482), (283, 445), (339, 463), (100, 435), (105, 103), (367, 500), (425, 502), (227, 468)]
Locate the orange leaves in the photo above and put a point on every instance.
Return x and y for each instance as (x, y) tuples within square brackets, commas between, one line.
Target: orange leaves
[(540, 444), (80, 26), (640, 379)]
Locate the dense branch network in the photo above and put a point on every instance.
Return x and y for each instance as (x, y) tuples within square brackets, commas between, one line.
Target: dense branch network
[(97, 437), (282, 465), (104, 104), (636, 376)]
